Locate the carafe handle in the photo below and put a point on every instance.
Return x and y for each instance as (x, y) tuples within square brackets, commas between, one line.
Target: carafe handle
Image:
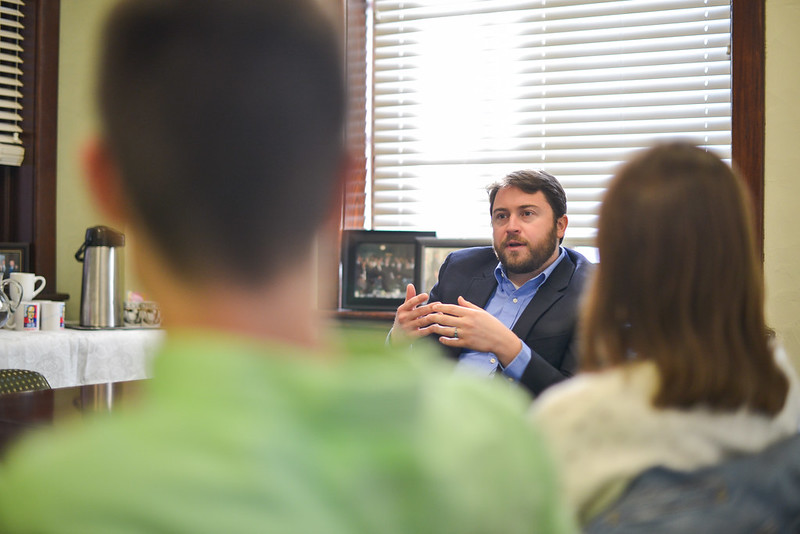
[(79, 255), (12, 307)]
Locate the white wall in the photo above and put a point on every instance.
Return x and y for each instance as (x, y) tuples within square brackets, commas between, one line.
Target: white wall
[(782, 187), (80, 23)]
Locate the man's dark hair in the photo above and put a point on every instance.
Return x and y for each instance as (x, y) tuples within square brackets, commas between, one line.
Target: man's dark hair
[(225, 118), (533, 181)]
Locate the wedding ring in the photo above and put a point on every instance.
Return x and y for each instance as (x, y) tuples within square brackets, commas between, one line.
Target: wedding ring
[(455, 332)]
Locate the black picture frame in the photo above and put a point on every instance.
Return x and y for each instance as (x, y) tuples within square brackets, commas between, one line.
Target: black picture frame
[(14, 257), (431, 253), (376, 267)]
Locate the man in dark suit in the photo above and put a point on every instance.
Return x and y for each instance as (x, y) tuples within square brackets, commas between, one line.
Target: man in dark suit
[(511, 308)]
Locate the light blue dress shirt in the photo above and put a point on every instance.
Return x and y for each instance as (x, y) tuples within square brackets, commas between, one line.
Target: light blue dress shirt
[(506, 304)]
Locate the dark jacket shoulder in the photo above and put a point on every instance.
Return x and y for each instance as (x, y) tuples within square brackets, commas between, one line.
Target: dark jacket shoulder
[(475, 266), (473, 257), (581, 266), (461, 269)]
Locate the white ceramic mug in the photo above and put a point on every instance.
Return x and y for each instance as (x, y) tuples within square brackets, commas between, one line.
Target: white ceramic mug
[(27, 317), (28, 282), (52, 315), (150, 314), (130, 314)]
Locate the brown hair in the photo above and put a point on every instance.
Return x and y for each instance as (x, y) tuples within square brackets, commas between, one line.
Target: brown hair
[(680, 283), (225, 118), (533, 181)]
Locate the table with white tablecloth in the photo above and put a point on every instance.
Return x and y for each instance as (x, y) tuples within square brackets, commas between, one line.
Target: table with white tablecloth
[(79, 357)]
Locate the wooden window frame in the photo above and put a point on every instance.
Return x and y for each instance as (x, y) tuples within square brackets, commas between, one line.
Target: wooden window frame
[(747, 103), (748, 40), (28, 192)]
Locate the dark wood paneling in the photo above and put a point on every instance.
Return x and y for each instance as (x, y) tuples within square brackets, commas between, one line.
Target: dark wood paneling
[(747, 129), (28, 193), (355, 133), (45, 143)]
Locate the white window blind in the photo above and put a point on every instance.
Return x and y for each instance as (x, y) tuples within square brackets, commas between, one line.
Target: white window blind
[(11, 27), (467, 91)]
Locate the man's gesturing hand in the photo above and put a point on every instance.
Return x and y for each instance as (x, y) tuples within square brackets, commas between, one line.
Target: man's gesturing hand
[(411, 320), (468, 326)]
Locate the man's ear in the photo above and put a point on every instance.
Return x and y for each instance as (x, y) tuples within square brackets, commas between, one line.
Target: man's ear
[(103, 179), (561, 226)]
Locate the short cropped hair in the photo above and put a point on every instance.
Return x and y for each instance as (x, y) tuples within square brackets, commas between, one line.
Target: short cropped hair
[(533, 181), (225, 120), (679, 283)]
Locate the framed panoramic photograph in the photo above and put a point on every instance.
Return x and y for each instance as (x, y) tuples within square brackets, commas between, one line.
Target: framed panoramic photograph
[(376, 267), (14, 258), (431, 253)]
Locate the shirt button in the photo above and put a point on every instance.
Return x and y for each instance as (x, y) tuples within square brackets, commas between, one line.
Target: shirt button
[(515, 300), (493, 360), (510, 379)]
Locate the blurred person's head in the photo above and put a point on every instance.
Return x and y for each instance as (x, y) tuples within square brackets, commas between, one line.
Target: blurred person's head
[(528, 212), (680, 283), (224, 121)]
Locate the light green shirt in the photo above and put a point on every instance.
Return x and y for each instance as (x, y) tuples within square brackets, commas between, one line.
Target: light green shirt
[(235, 436)]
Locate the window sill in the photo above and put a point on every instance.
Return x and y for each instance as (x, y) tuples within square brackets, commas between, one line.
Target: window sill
[(362, 315)]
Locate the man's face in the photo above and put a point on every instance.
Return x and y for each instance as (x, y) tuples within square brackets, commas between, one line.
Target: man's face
[(524, 234)]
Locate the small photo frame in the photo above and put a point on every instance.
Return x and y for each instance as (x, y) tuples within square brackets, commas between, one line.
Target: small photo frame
[(14, 257), (376, 267), (431, 253)]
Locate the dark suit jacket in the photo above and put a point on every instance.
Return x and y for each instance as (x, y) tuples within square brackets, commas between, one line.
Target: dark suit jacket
[(547, 325)]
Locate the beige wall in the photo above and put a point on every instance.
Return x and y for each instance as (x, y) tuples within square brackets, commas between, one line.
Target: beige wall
[(79, 22), (782, 187)]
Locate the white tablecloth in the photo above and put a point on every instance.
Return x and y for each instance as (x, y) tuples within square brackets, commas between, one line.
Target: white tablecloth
[(79, 357)]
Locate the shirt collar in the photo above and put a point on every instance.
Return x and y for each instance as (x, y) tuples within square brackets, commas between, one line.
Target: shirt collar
[(501, 276)]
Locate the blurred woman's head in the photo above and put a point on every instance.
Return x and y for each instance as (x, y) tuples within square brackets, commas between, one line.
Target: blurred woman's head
[(680, 283)]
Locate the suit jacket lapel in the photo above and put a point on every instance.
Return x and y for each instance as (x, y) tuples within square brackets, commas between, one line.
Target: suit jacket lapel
[(547, 295), (482, 287)]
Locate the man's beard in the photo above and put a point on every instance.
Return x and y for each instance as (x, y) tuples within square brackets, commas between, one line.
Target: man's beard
[(537, 254)]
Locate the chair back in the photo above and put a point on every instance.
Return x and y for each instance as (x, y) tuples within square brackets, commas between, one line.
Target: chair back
[(748, 494), (19, 380)]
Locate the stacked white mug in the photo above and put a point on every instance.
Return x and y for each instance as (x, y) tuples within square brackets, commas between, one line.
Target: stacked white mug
[(28, 316), (52, 315)]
